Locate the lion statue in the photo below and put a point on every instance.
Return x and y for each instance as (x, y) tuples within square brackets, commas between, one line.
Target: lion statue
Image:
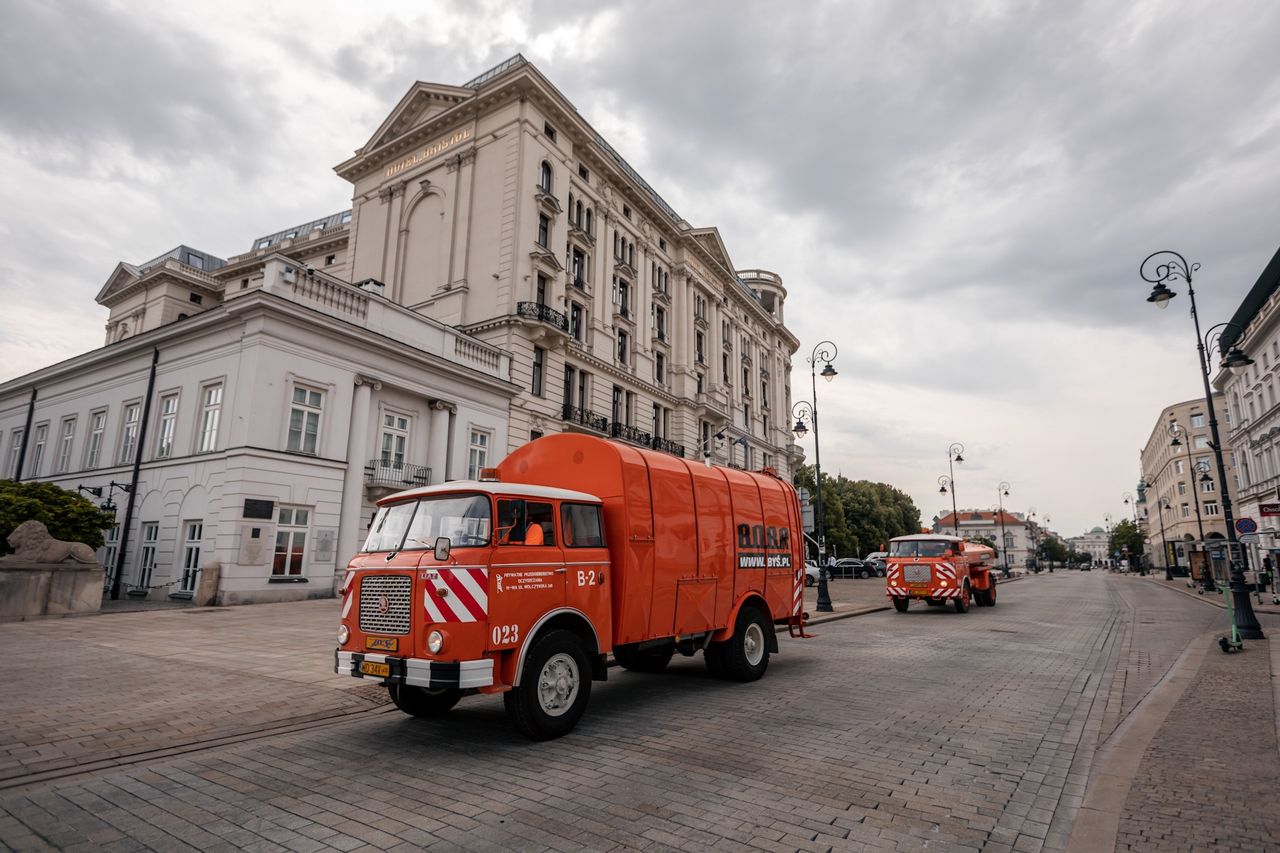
[(32, 543)]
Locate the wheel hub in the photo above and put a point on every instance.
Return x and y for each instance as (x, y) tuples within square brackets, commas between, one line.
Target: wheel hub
[(558, 684)]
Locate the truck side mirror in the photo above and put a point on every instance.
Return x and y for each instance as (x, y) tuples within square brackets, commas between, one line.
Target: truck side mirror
[(443, 544)]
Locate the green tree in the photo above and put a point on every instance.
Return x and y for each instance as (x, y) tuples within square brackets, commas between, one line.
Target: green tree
[(68, 515), (1126, 533), (861, 516), (1053, 549)]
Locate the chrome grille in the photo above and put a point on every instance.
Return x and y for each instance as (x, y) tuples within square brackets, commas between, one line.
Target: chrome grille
[(385, 604), (914, 573)]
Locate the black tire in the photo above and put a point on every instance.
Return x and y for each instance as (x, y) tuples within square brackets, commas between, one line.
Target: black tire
[(745, 656), (961, 601), (901, 604), (991, 594), (423, 702), (880, 573), (555, 684), (932, 602), (652, 659), (864, 574)]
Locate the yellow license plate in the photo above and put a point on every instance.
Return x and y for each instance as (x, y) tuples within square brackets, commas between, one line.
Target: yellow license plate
[(382, 644), (381, 670)]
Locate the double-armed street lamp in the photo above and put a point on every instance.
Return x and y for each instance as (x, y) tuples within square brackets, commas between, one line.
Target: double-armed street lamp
[(1106, 519), (1002, 491), (1162, 504), (1159, 269), (824, 351), (955, 454), (1127, 497)]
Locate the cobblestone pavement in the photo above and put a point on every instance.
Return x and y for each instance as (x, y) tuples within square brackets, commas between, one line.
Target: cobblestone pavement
[(926, 730)]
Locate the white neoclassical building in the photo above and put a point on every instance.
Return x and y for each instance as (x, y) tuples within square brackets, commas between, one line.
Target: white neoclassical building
[(266, 404)]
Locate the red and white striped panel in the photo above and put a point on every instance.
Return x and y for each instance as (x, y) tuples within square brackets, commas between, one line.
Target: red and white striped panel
[(797, 601), (946, 571), (348, 592), (457, 595), (898, 592)]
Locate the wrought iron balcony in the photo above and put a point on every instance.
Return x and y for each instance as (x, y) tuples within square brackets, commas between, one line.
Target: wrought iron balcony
[(585, 417), (543, 313), (393, 476), (630, 433), (668, 446)]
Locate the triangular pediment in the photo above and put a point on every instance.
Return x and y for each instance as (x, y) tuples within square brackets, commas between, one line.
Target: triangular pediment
[(709, 240), (121, 277), (423, 102)]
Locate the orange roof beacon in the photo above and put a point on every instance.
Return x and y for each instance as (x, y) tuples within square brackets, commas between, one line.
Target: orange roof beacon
[(938, 569), (573, 548)]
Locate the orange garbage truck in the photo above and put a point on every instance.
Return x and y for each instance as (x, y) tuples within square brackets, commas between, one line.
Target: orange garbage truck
[(572, 549), (938, 570)]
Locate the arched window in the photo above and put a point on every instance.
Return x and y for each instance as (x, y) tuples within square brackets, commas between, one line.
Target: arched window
[(544, 176)]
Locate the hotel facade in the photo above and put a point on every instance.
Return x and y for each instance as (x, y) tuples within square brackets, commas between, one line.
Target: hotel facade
[(502, 273)]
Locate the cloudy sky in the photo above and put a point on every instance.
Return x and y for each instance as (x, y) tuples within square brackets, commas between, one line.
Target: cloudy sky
[(958, 195)]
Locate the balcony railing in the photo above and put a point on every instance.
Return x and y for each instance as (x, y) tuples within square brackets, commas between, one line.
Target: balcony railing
[(630, 433), (585, 417), (543, 313), (668, 446), (382, 472)]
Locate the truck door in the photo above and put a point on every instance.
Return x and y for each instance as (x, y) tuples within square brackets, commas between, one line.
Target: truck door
[(528, 572)]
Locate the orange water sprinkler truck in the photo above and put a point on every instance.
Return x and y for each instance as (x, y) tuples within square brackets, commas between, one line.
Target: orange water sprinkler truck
[(573, 548), (938, 569)]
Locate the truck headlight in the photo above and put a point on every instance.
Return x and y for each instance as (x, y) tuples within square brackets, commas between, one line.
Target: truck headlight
[(942, 583), (344, 634), (435, 642)]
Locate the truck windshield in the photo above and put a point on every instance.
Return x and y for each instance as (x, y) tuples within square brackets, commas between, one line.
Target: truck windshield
[(464, 519), (918, 548)]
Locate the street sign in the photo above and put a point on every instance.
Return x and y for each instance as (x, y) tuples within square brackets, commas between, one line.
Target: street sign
[(1246, 525), (1269, 510), (1249, 538)]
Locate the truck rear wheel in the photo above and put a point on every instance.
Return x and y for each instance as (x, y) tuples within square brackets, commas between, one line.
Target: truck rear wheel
[(901, 604), (962, 600), (652, 659), (424, 702), (991, 594), (555, 684), (745, 655)]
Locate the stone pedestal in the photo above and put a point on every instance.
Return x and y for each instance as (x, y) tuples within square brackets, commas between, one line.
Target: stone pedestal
[(29, 590)]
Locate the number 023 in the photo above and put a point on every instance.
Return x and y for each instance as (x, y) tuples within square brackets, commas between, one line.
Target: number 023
[(505, 634)]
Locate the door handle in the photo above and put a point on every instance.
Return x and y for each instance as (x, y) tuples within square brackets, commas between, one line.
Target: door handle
[(561, 570)]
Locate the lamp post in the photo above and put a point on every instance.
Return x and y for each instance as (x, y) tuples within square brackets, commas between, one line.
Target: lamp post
[(1162, 504), (1002, 491), (1033, 536), (1176, 430), (1042, 541), (1170, 266), (1106, 519), (820, 353), (955, 453), (1130, 503)]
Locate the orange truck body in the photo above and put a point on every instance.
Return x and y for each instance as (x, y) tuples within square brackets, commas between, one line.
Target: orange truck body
[(939, 569), (687, 550)]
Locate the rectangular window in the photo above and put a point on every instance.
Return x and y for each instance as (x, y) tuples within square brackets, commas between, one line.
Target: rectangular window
[(1210, 507), (304, 420), (1201, 442), (549, 131), (1178, 467), (539, 365), (575, 321), (210, 414), (110, 547), (64, 445), (699, 347), (193, 533), (544, 231), (660, 369), (724, 368), (583, 173), (657, 421), (147, 554), (569, 377), (540, 295), (701, 383), (1197, 421), (1182, 488), (582, 526), (129, 432), (291, 541), (167, 425), (37, 450), (395, 436), (1208, 486), (477, 453), (578, 266), (629, 402), (617, 405), (1186, 510), (623, 347), (660, 323), (584, 387), (93, 447), (526, 523)]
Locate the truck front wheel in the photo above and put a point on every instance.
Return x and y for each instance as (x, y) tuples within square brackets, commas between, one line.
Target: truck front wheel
[(745, 655), (901, 604), (962, 600), (555, 684), (423, 702)]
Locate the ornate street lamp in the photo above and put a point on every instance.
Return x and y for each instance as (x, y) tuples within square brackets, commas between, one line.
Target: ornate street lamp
[(1176, 430), (955, 454), (825, 351), (1160, 268), (1002, 491)]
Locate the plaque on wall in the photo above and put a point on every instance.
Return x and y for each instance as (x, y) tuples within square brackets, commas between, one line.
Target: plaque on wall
[(325, 540), (254, 508), (257, 545)]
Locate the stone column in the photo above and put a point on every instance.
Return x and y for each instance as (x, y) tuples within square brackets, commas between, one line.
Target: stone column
[(350, 521), (438, 441)]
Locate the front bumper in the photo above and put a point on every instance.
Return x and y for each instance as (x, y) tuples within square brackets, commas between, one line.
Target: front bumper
[(416, 672)]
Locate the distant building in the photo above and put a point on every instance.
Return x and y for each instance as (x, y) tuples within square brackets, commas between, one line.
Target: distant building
[(1250, 421), (1018, 545), (1094, 543)]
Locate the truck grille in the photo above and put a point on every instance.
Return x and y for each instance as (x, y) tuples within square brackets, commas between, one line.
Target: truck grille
[(385, 604), (914, 573)]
